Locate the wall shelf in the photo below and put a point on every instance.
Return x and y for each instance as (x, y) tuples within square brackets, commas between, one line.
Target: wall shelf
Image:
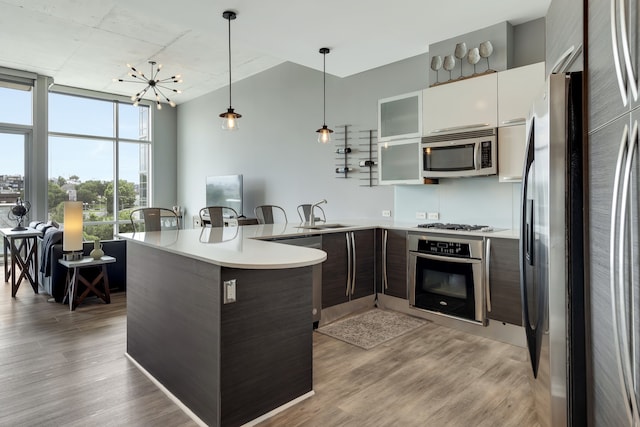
[(343, 151), (368, 158)]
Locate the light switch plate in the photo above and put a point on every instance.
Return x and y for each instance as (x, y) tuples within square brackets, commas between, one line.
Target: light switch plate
[(421, 215), (229, 291), (433, 215)]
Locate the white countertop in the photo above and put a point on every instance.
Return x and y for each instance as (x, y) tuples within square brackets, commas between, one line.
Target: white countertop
[(248, 246), (229, 247)]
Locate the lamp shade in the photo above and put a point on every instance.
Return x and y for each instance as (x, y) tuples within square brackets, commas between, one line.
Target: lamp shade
[(72, 237)]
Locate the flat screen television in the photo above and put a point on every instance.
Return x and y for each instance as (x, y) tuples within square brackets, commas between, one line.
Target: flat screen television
[(225, 190)]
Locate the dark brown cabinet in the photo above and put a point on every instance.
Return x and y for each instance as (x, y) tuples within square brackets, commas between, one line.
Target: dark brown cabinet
[(391, 269), (348, 272), (503, 299)]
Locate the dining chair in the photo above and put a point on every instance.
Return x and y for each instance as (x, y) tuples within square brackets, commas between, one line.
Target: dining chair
[(270, 214), (215, 215), (153, 219), (304, 211)]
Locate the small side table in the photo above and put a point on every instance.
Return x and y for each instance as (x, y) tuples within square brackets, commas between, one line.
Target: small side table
[(28, 263), (74, 277)]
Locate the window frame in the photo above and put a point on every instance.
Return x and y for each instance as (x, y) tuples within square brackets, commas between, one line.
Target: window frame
[(115, 140)]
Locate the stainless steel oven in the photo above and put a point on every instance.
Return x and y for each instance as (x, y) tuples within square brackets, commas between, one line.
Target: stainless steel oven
[(446, 275)]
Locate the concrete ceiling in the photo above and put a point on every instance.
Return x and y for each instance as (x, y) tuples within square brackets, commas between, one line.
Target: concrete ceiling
[(86, 43)]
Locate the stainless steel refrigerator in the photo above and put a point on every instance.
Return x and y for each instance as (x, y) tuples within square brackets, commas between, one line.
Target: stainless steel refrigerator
[(551, 252)]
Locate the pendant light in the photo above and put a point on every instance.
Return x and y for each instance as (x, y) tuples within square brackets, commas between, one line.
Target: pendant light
[(324, 133), (229, 117)]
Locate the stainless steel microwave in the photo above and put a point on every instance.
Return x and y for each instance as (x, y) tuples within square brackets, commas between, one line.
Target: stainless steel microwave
[(462, 154)]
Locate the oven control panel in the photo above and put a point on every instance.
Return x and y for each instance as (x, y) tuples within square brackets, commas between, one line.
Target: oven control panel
[(444, 248), (453, 246)]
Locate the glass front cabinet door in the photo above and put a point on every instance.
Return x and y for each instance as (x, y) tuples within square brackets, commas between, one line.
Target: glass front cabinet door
[(400, 162), (400, 117)]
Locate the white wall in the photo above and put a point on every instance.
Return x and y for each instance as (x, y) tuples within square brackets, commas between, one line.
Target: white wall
[(482, 201)]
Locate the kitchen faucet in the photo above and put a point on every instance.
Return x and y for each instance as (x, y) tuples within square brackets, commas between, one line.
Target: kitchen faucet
[(312, 217)]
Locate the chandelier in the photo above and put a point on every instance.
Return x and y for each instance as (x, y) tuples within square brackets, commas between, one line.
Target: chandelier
[(153, 84)]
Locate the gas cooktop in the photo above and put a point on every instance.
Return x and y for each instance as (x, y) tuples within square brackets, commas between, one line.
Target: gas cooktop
[(456, 227)]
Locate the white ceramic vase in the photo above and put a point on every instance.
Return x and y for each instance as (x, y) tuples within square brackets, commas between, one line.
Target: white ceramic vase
[(97, 252)]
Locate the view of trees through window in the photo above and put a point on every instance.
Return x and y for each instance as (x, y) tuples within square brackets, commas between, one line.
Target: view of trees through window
[(91, 142)]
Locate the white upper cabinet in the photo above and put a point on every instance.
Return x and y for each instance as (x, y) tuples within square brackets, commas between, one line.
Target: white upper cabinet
[(512, 142), (517, 88), (400, 117), (466, 104)]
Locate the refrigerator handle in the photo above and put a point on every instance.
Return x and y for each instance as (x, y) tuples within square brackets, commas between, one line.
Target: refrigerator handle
[(528, 236), (616, 55), (631, 79), (526, 232), (616, 279), (623, 327)]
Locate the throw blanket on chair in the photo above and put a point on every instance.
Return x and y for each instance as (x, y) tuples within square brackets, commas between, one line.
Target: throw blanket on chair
[(50, 238)]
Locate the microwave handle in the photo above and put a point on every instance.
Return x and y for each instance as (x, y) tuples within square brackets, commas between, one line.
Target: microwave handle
[(476, 156), (451, 129)]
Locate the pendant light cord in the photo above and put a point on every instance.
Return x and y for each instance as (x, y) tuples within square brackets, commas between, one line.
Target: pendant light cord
[(229, 38), (324, 89)]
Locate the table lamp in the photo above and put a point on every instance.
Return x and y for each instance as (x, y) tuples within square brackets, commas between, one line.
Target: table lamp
[(72, 236)]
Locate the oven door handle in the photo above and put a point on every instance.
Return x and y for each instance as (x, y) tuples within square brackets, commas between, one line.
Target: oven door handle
[(446, 258)]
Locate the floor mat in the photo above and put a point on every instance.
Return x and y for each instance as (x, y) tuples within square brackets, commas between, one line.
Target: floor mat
[(373, 327)]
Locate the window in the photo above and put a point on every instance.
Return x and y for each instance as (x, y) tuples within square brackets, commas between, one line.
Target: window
[(91, 142), (16, 120), (16, 101)]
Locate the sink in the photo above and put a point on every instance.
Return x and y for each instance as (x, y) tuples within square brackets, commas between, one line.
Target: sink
[(324, 226)]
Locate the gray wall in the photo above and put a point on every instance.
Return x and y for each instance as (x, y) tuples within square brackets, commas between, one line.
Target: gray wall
[(529, 42), (163, 157), (276, 149)]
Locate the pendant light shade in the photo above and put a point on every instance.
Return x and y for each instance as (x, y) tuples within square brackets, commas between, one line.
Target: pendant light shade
[(229, 117), (324, 133)]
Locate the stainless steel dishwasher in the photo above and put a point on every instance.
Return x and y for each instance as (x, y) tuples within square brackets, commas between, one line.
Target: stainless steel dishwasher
[(314, 242)]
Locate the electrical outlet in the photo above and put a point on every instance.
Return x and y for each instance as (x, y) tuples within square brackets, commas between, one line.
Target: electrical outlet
[(433, 215), (229, 291), (386, 213), (421, 215)]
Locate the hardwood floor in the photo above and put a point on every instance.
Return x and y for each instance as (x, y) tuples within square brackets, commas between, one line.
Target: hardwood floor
[(64, 368), (68, 368), (432, 376)]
